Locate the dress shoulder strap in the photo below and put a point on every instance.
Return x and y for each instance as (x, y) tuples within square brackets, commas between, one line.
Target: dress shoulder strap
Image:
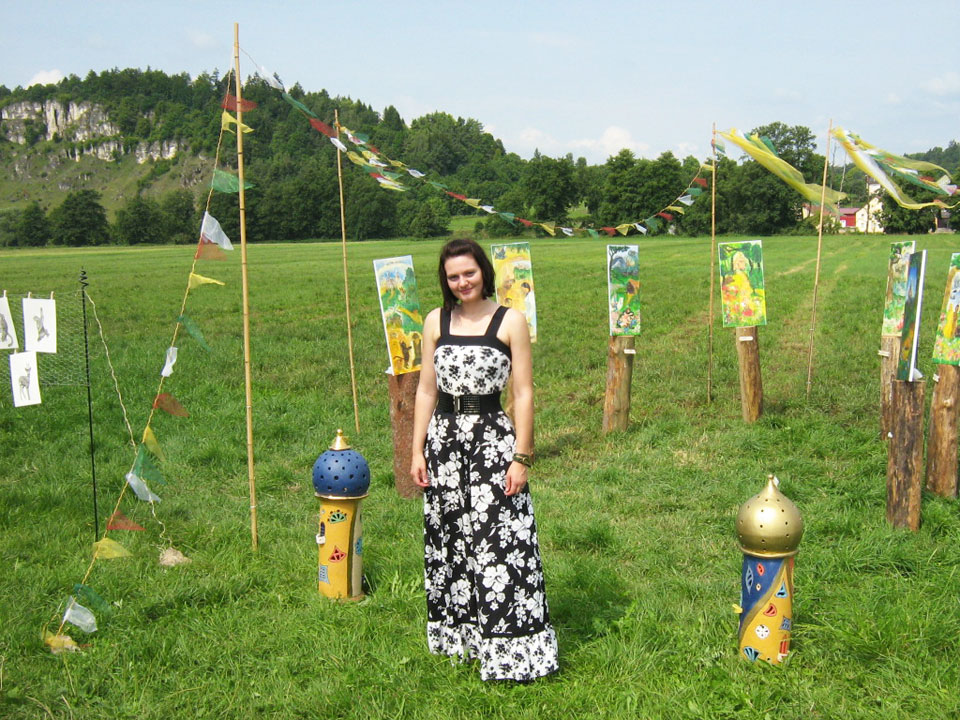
[(494, 327), (444, 322)]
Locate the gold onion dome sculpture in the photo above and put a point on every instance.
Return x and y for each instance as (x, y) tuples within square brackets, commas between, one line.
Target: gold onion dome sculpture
[(769, 524)]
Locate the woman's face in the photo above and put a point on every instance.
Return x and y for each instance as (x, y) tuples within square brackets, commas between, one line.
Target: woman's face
[(464, 278)]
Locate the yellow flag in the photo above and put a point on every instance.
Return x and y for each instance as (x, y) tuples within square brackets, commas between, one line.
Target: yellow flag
[(59, 643), (226, 120), (550, 228), (198, 280), (473, 202), (676, 209), (150, 440), (109, 549), (624, 229)]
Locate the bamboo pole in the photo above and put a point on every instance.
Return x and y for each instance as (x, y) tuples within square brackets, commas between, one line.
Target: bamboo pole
[(713, 260), (251, 477), (346, 281), (816, 278)]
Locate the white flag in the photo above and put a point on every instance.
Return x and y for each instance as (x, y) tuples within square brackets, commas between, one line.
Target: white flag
[(211, 231)]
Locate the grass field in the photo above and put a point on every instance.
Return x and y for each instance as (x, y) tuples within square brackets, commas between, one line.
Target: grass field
[(636, 528)]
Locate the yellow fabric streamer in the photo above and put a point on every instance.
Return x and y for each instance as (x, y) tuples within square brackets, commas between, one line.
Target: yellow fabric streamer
[(550, 228), (59, 643), (624, 228), (198, 280), (150, 440), (226, 120), (862, 154), (109, 549), (755, 148), (473, 202), (676, 209)]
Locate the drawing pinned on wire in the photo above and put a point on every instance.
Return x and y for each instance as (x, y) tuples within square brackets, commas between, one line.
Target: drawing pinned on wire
[(23, 379), (40, 324), (8, 331)]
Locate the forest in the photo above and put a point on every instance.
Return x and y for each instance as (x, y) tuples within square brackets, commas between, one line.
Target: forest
[(294, 173)]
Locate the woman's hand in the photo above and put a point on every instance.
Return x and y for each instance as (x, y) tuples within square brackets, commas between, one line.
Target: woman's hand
[(418, 470), (516, 478)]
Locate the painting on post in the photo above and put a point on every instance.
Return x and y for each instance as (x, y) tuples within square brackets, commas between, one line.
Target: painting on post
[(400, 309), (946, 347), (743, 297), (514, 279), (623, 289), (896, 287), (912, 306)]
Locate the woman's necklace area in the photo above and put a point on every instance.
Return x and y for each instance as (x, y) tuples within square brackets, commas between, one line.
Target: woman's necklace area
[(463, 324)]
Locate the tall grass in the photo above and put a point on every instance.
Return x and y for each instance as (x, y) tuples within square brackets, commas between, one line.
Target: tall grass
[(636, 527)]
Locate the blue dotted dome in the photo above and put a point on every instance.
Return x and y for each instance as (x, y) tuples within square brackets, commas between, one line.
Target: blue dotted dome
[(341, 473)]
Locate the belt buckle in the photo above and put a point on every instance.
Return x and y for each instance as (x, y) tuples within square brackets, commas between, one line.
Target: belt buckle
[(456, 404)]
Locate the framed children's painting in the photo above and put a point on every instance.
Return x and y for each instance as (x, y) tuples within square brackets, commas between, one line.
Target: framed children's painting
[(896, 288), (514, 280), (623, 289), (400, 309), (742, 293)]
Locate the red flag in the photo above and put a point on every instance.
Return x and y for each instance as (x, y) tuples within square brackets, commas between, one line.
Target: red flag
[(700, 181), (167, 402), (323, 127), (119, 521), (372, 149), (526, 223), (609, 231), (666, 216), (207, 250), (456, 195), (230, 103)]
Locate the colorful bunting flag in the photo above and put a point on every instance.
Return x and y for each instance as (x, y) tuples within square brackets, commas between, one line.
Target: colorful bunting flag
[(415, 173), (226, 182), (143, 466), (119, 521), (59, 643), (339, 144), (231, 103), (170, 361), (198, 280), (700, 181), (226, 120), (207, 250), (140, 488), (272, 79), (168, 403), (593, 233), (194, 331), (150, 440), (550, 228), (109, 549), (686, 199), (322, 127), (298, 105), (567, 231), (211, 231), (79, 616), (640, 228), (89, 596), (624, 228)]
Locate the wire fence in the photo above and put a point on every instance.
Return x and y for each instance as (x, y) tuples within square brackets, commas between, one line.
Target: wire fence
[(66, 366)]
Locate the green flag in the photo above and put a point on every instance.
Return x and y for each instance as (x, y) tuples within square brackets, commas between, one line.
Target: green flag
[(227, 182), (191, 327)]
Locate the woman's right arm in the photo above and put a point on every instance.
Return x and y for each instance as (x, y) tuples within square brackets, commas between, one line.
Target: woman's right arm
[(426, 399)]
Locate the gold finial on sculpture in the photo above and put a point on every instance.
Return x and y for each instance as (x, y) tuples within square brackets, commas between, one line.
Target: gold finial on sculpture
[(340, 441), (769, 524)]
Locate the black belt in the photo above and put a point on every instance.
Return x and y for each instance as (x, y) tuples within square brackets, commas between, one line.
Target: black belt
[(468, 404)]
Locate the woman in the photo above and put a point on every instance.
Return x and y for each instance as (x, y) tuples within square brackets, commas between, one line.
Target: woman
[(483, 577)]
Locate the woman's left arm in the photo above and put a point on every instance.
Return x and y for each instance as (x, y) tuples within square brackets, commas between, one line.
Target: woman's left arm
[(518, 338)]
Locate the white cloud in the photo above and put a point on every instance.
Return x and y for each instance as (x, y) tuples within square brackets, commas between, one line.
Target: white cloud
[(946, 84), (613, 140), (45, 77), (686, 148)]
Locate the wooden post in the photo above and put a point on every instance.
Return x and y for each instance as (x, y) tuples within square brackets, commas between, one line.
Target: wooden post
[(403, 395), (942, 445), (751, 385), (905, 455), (616, 401), (889, 354)]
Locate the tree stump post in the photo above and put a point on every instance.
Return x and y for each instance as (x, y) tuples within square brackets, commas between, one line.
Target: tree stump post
[(889, 354), (403, 396), (616, 400), (942, 443), (751, 385), (905, 455)]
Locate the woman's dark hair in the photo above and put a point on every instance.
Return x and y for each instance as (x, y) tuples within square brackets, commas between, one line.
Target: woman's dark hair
[(456, 248)]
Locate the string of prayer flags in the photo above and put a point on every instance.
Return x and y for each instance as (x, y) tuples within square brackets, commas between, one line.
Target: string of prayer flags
[(339, 144), (211, 231), (322, 127), (226, 120), (763, 153), (272, 79), (880, 165), (140, 488), (169, 404), (194, 331), (110, 549), (299, 105), (90, 597), (198, 280), (143, 466), (79, 616), (231, 103), (119, 521), (171, 360), (150, 440), (226, 182), (719, 147), (59, 643), (640, 228)]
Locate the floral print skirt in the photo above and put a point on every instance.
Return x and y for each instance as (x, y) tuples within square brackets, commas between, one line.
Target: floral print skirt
[(482, 569)]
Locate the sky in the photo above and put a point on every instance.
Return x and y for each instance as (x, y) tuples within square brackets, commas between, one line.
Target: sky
[(586, 78)]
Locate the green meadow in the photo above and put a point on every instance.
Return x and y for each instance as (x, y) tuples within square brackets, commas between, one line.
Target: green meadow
[(636, 527)]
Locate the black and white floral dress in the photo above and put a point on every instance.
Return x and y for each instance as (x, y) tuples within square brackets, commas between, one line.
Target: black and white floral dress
[(483, 575)]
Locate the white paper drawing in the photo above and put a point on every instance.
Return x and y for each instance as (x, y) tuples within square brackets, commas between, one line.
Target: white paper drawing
[(8, 332), (40, 324), (23, 379)]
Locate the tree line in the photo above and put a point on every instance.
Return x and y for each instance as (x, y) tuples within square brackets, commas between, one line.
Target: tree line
[(293, 169)]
